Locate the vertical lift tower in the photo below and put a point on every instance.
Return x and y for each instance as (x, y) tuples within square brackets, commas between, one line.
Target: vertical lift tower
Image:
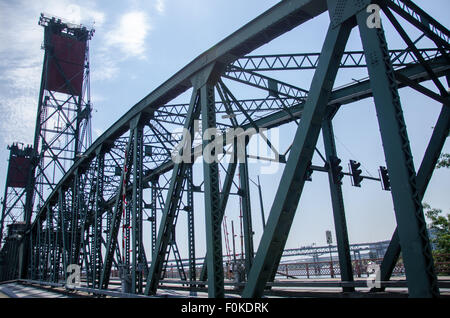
[(62, 133)]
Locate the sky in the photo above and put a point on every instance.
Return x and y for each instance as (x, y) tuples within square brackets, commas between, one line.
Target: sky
[(139, 44)]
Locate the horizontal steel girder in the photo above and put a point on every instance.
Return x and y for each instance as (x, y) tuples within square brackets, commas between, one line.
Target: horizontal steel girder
[(345, 95), (308, 61)]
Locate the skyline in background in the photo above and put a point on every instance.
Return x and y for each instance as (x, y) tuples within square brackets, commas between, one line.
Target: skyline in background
[(139, 45)]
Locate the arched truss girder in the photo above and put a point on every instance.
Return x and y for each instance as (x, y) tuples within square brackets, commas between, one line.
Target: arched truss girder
[(123, 143)]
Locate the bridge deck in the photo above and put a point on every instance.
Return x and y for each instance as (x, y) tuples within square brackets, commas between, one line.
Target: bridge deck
[(171, 288)]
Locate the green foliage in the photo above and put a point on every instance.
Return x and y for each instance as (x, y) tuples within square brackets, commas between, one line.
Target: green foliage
[(444, 161), (440, 224)]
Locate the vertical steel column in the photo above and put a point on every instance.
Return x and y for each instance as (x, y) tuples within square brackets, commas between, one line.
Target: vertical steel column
[(96, 248), (411, 224), (83, 210), (261, 204), (172, 202), (154, 190), (337, 201), (63, 226), (116, 218), (293, 179), (88, 226), (5, 200), (35, 243), (57, 247), (137, 199), (190, 221), (32, 253), (430, 159), (231, 170), (39, 249), (212, 198), (74, 222), (89, 253), (126, 234), (109, 215), (47, 245), (51, 251), (246, 209)]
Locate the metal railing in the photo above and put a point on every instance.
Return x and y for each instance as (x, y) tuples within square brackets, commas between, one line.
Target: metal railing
[(324, 269)]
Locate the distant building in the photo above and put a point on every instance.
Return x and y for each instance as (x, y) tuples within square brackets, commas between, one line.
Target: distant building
[(432, 234)]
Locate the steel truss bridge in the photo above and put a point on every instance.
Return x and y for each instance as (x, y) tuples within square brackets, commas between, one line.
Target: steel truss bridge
[(94, 215)]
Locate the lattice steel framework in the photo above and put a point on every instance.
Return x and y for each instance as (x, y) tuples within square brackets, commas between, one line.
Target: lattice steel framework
[(15, 189), (63, 128), (129, 175)]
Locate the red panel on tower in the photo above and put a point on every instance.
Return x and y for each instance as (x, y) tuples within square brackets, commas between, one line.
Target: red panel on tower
[(19, 168), (69, 55)]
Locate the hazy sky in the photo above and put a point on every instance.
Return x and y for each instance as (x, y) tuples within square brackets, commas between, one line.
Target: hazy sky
[(140, 44)]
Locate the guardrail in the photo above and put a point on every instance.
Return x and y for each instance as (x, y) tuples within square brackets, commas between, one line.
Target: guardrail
[(326, 269)]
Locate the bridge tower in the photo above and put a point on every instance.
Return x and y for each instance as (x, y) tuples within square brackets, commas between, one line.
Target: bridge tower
[(63, 127), (15, 189)]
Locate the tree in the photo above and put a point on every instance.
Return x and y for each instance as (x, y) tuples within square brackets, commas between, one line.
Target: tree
[(439, 223), (440, 226), (444, 161)]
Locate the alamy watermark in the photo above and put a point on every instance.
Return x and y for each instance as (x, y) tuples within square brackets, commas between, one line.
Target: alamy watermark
[(74, 278), (374, 279), (232, 145), (374, 19)]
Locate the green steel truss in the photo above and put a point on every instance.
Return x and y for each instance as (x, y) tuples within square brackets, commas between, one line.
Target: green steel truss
[(115, 211)]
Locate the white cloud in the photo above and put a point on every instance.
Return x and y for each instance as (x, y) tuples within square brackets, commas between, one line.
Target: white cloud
[(21, 55), (18, 119), (24, 77), (73, 13), (21, 59), (130, 34), (104, 67), (160, 6)]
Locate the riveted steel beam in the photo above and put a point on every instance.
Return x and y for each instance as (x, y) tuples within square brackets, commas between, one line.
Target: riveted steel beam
[(273, 86), (309, 61), (211, 181), (171, 203), (413, 48), (62, 215), (421, 20), (407, 204), (116, 218), (137, 268), (230, 172), (292, 181), (429, 161), (97, 227), (190, 222), (246, 210)]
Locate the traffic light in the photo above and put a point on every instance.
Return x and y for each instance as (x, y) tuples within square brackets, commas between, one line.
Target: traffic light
[(356, 173), (385, 181), (309, 173), (308, 176), (336, 170)]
